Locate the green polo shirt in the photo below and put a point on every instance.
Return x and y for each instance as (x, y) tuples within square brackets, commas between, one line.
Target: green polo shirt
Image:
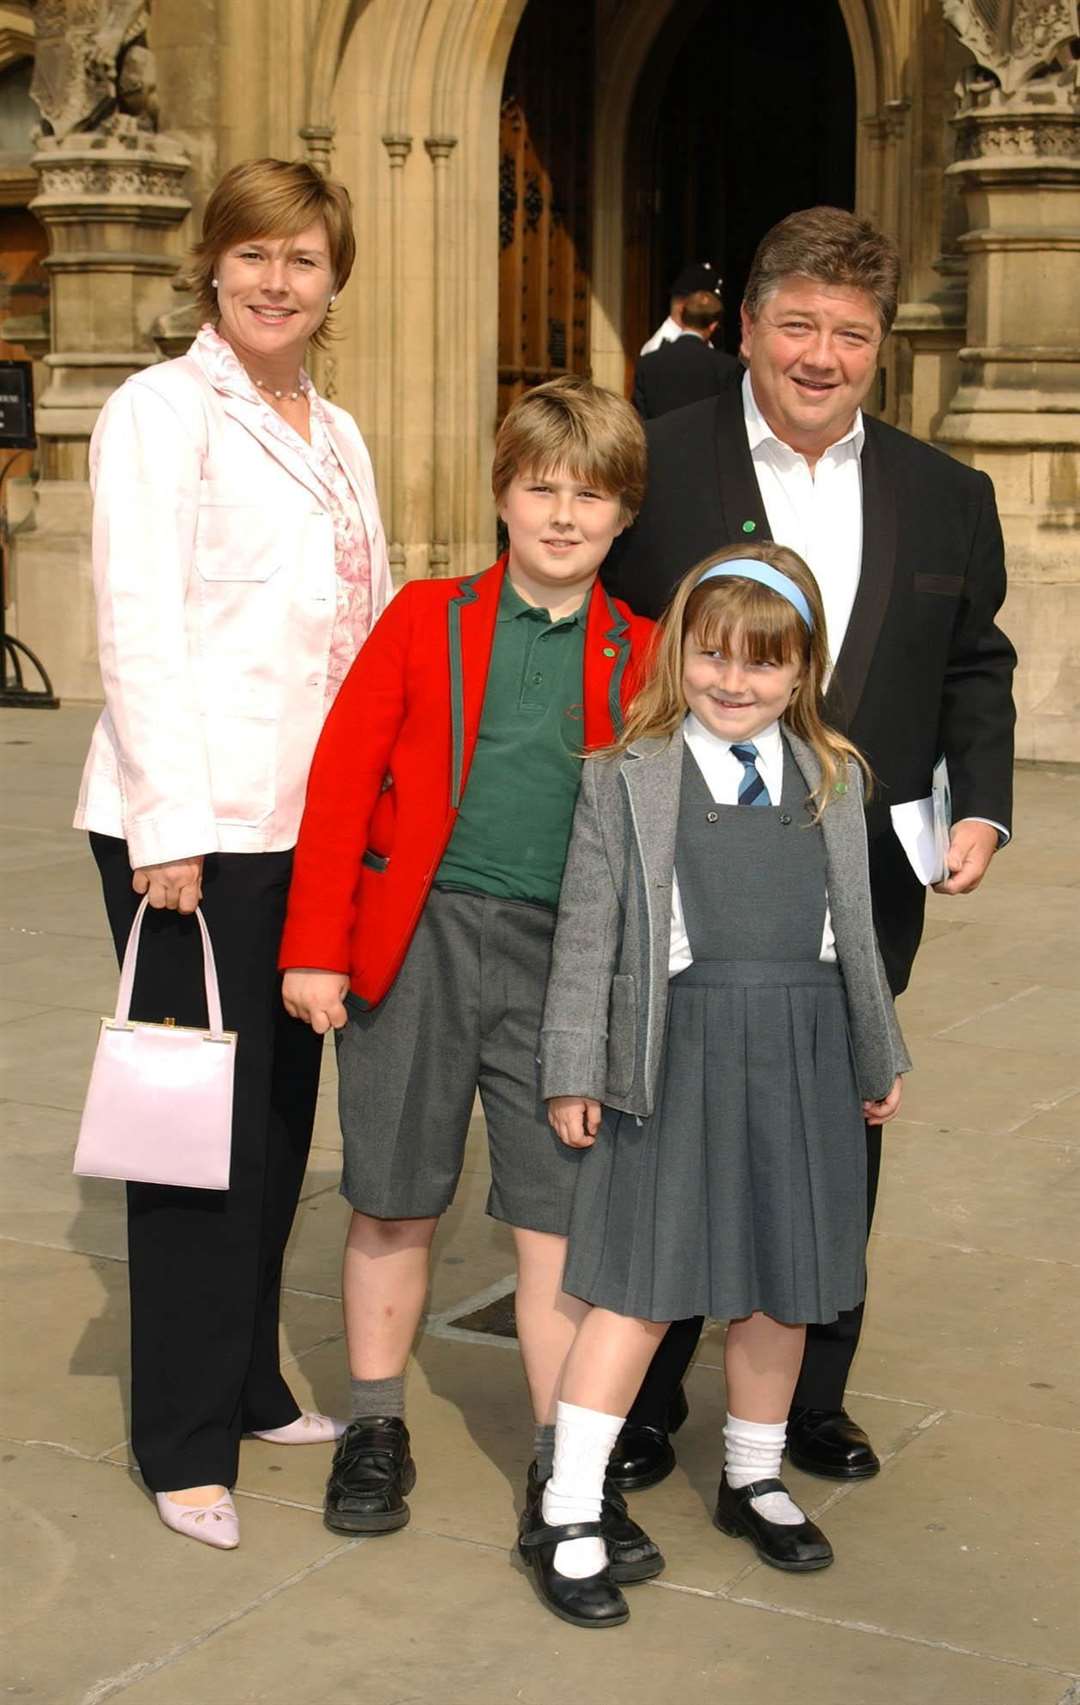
[(513, 829)]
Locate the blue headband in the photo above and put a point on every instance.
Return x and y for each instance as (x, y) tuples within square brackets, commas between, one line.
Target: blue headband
[(749, 568)]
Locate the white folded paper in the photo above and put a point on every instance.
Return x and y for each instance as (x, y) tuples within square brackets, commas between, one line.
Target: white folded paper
[(922, 827)]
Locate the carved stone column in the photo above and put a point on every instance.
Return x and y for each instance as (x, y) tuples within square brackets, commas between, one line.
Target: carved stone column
[(398, 147), (111, 200), (1016, 409), (440, 149)]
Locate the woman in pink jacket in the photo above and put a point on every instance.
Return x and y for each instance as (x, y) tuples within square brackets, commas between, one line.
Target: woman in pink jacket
[(239, 565)]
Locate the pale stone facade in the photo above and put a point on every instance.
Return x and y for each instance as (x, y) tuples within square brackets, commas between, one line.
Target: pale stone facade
[(401, 98)]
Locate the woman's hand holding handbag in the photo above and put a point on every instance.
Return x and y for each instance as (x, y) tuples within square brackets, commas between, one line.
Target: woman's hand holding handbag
[(159, 1106)]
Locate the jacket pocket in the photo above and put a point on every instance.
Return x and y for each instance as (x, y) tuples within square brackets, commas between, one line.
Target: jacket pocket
[(242, 753), (375, 860), (237, 541), (940, 585), (622, 1034)]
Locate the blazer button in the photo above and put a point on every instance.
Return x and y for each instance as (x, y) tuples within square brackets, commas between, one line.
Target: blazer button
[(784, 819), (712, 816)]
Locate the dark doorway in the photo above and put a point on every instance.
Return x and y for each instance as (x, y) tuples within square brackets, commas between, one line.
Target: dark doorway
[(545, 166), (744, 112)]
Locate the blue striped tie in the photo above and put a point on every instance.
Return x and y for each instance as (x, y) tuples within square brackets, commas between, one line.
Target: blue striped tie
[(752, 790)]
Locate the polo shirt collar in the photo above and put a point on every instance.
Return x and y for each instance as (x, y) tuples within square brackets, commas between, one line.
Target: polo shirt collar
[(759, 432), (512, 605)]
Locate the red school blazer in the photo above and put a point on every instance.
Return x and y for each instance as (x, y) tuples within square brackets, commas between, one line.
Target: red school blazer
[(393, 760)]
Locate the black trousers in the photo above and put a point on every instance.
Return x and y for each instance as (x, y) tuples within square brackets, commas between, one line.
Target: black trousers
[(827, 1358), (205, 1265)]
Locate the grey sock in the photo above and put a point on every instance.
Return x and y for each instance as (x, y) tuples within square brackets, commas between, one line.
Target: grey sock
[(544, 1448), (378, 1397)]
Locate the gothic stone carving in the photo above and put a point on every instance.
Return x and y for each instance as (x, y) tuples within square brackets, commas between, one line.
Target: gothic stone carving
[(91, 61), (1017, 41)]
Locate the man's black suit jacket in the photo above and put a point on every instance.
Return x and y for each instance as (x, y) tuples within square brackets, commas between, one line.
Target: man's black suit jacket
[(923, 669), (686, 370)]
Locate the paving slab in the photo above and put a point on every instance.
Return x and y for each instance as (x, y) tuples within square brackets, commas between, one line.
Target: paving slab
[(978, 1332), (476, 1635), (41, 1201), (963, 1187), (971, 1536), (96, 1586), (987, 1088)]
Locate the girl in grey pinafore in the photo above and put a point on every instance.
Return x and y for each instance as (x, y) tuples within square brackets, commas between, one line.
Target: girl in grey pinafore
[(746, 1188), (717, 1106)]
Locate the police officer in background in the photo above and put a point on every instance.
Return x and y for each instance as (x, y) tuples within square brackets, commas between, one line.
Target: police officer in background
[(686, 369), (699, 275)]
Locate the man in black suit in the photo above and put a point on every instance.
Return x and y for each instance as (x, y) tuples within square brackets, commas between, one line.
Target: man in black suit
[(907, 548), (688, 369)]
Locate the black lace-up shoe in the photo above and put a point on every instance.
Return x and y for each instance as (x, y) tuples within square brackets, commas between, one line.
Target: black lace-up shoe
[(594, 1602), (643, 1455), (828, 1442), (632, 1556), (370, 1478), (797, 1548)]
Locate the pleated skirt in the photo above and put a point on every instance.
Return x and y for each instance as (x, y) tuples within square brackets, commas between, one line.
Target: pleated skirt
[(746, 1188)]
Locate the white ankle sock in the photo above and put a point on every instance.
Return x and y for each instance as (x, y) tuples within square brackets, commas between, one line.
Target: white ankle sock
[(753, 1450), (584, 1439)]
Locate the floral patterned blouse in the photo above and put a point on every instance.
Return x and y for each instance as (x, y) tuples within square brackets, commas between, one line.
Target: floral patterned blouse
[(352, 552)]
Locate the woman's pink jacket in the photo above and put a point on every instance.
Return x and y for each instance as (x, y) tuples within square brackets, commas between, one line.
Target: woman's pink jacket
[(213, 562)]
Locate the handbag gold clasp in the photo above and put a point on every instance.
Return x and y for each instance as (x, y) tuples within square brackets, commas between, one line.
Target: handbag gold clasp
[(170, 1022)]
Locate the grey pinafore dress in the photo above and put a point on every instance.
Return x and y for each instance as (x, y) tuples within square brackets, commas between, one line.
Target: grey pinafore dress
[(746, 1188)]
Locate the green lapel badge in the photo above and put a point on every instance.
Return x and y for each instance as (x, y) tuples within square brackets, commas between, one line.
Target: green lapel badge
[(749, 526), (841, 787), (609, 651)]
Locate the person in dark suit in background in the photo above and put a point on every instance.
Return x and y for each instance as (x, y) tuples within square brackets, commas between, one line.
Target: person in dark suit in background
[(687, 369), (699, 275), (906, 546)]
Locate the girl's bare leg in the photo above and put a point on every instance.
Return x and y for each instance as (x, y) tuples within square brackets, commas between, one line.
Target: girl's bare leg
[(547, 1317), (762, 1358)]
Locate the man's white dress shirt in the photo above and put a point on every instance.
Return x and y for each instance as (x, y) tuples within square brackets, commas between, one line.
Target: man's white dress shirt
[(666, 333), (819, 514), (723, 775)]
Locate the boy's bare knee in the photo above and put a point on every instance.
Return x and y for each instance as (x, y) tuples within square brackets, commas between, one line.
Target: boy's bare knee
[(384, 1235)]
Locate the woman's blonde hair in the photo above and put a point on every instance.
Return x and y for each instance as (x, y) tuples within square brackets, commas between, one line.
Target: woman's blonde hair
[(729, 614), (271, 198), (573, 424)]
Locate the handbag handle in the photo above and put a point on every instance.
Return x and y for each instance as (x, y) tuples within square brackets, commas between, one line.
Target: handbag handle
[(127, 972)]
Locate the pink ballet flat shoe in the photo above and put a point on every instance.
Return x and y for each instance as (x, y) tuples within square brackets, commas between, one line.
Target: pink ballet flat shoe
[(215, 1524), (307, 1429)]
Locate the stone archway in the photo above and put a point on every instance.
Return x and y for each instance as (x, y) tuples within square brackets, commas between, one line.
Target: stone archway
[(634, 32)]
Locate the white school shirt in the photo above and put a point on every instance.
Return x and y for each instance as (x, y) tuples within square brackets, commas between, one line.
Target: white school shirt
[(723, 774)]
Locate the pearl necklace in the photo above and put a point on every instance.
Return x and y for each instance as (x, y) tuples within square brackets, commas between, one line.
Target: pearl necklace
[(293, 396)]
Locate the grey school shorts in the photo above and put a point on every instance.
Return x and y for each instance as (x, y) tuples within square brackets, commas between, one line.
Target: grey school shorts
[(464, 1014)]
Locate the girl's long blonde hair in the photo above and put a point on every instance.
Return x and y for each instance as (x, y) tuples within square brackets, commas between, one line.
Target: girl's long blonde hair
[(731, 613)]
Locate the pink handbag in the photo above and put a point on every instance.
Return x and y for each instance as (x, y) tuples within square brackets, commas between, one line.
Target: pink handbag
[(159, 1106)]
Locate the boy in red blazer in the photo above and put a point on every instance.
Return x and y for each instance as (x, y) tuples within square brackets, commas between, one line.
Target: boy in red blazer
[(422, 910)]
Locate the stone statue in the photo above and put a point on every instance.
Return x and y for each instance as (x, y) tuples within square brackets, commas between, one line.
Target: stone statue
[(1017, 41), (92, 62)]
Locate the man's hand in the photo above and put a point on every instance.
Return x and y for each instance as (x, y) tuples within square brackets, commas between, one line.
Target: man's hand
[(971, 847), (317, 997), (880, 1112), (176, 887), (575, 1119)]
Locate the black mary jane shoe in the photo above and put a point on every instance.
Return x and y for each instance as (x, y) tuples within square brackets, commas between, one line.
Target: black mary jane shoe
[(644, 1455), (594, 1602), (370, 1477), (829, 1443), (797, 1548), (632, 1556)]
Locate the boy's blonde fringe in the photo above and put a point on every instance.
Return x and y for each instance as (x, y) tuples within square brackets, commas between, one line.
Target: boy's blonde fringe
[(766, 628)]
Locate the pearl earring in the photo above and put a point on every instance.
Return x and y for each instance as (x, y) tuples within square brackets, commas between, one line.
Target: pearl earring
[(333, 298), (213, 284)]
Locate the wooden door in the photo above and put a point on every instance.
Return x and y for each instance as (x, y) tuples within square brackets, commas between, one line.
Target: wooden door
[(545, 162)]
